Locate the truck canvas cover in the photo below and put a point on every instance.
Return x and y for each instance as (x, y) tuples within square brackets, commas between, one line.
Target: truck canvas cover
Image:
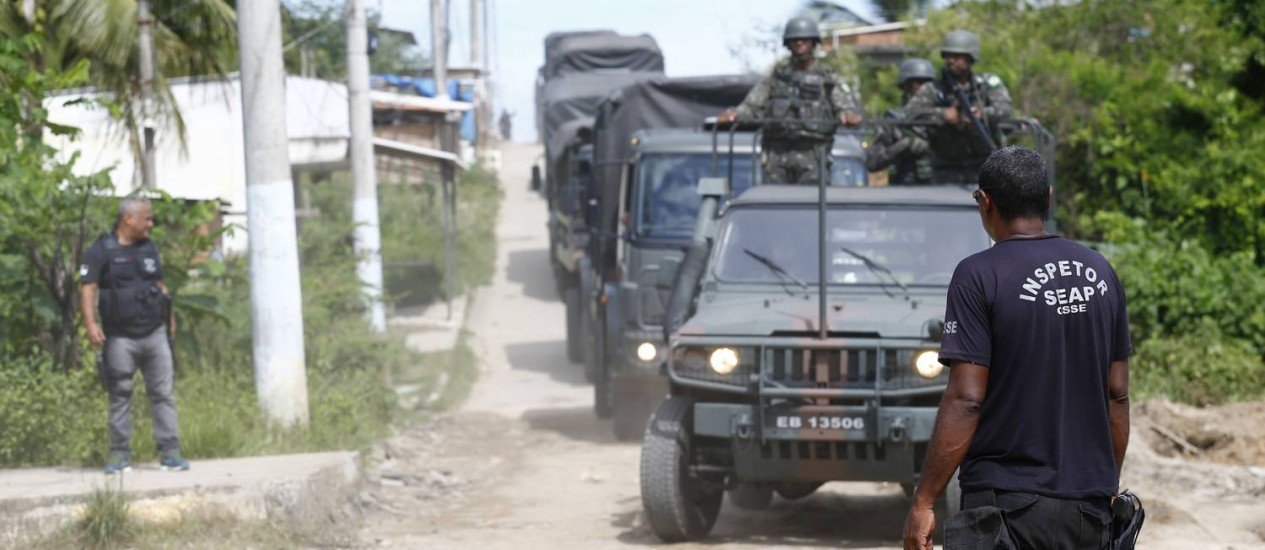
[(657, 103), (578, 95), (599, 52), (563, 135), (554, 38)]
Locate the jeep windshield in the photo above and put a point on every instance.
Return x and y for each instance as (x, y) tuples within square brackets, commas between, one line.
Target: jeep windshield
[(667, 199), (919, 246)]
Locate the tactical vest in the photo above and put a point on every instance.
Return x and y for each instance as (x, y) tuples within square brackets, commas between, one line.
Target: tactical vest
[(131, 302), (799, 107)]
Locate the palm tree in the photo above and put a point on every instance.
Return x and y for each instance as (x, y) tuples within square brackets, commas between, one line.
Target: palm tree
[(191, 38)]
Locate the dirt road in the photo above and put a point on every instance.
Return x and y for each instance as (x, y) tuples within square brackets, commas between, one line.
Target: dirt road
[(525, 464)]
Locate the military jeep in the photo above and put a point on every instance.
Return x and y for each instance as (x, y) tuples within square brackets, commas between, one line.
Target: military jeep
[(657, 211), (805, 326)]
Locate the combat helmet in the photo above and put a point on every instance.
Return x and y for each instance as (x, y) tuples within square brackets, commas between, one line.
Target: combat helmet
[(801, 27), (914, 68), (961, 42)]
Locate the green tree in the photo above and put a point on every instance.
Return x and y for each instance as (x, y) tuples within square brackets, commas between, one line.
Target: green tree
[(194, 38), (44, 211), (316, 39)]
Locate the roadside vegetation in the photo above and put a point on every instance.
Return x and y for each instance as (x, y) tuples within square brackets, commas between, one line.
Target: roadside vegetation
[(56, 416), (1159, 111)]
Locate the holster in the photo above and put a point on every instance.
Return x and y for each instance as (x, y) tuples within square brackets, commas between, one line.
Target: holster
[(1127, 516), (103, 371)]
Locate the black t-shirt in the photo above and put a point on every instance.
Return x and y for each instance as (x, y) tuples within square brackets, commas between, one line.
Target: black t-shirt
[(127, 275), (1047, 317)]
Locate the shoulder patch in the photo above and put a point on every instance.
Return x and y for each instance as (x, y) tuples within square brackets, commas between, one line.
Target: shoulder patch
[(993, 80)]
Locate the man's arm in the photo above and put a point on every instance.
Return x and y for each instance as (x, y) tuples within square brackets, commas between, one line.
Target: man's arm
[(1118, 410), (999, 106), (924, 107), (88, 306), (955, 428), (846, 103)]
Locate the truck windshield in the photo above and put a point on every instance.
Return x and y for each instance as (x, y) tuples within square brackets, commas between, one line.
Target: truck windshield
[(667, 200), (920, 246)]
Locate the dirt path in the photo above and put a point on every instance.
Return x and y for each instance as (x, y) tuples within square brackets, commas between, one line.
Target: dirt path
[(525, 464)]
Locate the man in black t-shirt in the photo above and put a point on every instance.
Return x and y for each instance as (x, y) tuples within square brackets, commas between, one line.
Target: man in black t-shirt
[(1036, 412), (122, 278)]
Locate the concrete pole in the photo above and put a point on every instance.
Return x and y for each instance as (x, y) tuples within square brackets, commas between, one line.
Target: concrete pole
[(145, 37), (481, 119), (276, 304), (448, 189), (439, 47), (364, 205)]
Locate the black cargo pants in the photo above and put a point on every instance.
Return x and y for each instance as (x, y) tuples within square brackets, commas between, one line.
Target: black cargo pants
[(1007, 520)]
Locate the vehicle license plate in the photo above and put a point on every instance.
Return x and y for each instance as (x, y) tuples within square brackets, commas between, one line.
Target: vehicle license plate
[(820, 421)]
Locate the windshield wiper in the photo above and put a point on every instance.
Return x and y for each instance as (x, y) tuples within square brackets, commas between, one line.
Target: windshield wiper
[(775, 268), (878, 269)]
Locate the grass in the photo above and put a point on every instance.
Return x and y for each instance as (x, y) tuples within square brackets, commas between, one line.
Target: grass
[(108, 523)]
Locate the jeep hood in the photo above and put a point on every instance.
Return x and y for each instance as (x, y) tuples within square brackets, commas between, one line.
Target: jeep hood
[(764, 314)]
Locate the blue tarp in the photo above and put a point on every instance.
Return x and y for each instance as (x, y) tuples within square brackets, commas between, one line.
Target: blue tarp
[(458, 90)]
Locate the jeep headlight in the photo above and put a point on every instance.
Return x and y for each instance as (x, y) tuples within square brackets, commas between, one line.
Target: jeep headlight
[(647, 351), (723, 360), (927, 364)]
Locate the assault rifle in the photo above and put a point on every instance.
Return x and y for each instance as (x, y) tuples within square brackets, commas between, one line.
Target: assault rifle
[(952, 90)]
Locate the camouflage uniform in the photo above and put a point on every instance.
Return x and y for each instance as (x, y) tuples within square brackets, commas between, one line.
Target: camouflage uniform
[(903, 149), (791, 152), (958, 152)]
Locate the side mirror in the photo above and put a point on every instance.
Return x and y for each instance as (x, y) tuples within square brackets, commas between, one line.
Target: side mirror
[(668, 269), (536, 182)]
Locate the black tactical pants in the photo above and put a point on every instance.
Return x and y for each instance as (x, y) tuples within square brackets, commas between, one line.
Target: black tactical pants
[(1007, 520)]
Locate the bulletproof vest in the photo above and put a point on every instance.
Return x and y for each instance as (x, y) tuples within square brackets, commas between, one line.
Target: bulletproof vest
[(800, 108), (962, 149), (131, 302)]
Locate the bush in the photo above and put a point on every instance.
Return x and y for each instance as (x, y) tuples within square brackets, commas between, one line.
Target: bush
[(1202, 368), (50, 417)]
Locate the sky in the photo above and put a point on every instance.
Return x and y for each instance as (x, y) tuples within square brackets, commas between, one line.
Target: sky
[(696, 36)]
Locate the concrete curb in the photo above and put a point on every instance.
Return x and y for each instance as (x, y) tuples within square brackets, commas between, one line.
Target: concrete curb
[(307, 492)]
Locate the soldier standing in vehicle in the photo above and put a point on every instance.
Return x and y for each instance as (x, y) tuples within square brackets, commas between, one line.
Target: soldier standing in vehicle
[(958, 145), (123, 269), (1036, 411), (903, 149), (802, 101)]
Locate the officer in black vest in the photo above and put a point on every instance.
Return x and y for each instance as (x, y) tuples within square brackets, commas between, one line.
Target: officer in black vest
[(122, 278), (801, 103)]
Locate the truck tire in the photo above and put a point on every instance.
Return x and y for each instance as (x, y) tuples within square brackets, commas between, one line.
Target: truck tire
[(679, 505), (796, 491), (571, 298), (751, 496), (595, 367)]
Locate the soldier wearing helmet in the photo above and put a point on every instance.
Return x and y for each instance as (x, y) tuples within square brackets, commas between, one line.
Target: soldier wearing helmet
[(903, 149), (958, 147), (801, 102)]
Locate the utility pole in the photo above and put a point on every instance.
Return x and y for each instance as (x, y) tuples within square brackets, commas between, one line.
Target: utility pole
[(145, 37), (481, 118), (364, 205), (276, 305), (439, 47)]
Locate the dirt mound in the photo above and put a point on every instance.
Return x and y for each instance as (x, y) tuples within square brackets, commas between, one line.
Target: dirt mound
[(1227, 434)]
